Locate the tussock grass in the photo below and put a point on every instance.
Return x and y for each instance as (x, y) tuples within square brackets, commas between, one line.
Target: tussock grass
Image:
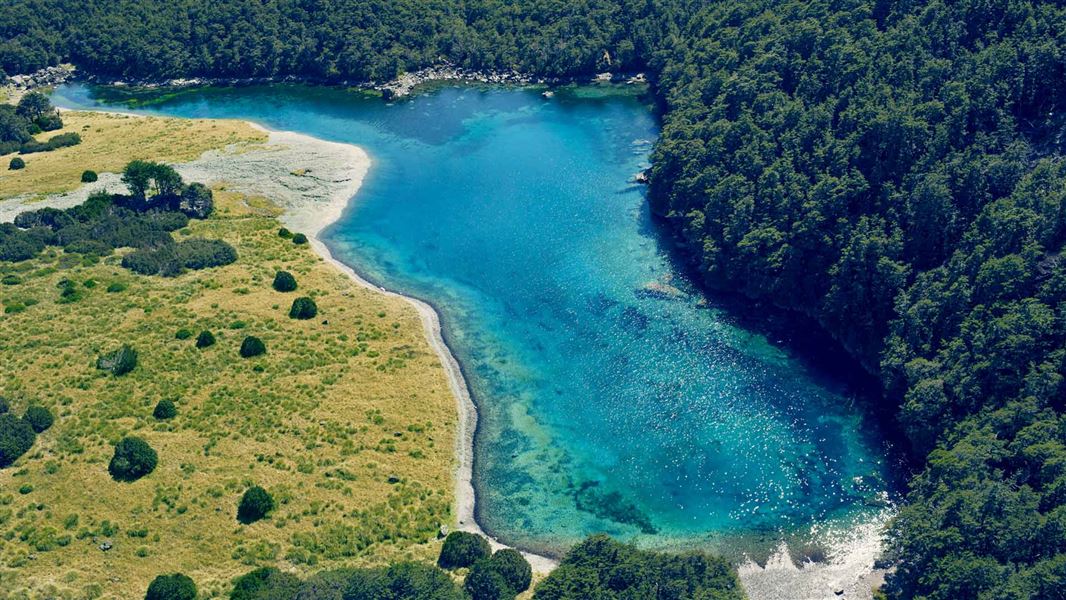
[(349, 425), (110, 141)]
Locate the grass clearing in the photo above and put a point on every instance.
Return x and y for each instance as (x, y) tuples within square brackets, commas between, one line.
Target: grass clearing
[(110, 141), (347, 421)]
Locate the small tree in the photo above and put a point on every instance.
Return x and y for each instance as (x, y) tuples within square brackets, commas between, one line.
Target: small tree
[(485, 583), (303, 308), (255, 504), (513, 567), (284, 281), (171, 587), (265, 582), (118, 362), (16, 438), (197, 201), (205, 339), (16, 164), (299, 239), (133, 459), (165, 409), (252, 346), (285, 233), (88, 176), (4, 406), (39, 418), (33, 106), (462, 549)]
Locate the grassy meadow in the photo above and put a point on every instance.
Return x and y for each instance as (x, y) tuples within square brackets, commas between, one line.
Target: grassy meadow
[(347, 420), (109, 141)]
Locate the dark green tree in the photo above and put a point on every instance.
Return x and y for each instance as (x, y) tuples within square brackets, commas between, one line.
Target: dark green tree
[(88, 176), (255, 504), (252, 346), (303, 308), (205, 339), (39, 417), (284, 281), (171, 587), (165, 409), (118, 362), (16, 438), (16, 163), (266, 583), (133, 459), (463, 549)]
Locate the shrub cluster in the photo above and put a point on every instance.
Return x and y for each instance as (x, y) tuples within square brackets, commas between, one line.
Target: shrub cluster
[(303, 308), (252, 346), (39, 418), (133, 459), (16, 438), (173, 259), (171, 587), (255, 504), (62, 140), (18, 124), (284, 282), (118, 362), (165, 409), (463, 549)]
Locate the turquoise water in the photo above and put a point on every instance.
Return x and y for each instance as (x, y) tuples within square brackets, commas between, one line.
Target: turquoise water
[(612, 396)]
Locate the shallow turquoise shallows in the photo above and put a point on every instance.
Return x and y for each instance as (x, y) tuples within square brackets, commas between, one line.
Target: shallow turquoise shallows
[(613, 396)]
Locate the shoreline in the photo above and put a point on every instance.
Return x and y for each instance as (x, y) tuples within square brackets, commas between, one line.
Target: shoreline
[(313, 223)]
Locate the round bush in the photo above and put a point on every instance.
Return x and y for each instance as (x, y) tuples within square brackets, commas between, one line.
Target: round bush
[(462, 549), (183, 334), (16, 164), (133, 459), (205, 339), (39, 418), (171, 587), (255, 504), (484, 583), (11, 280), (265, 582), (303, 308), (299, 238), (165, 409), (513, 567), (252, 346), (4, 406), (88, 176), (285, 233), (16, 438), (284, 282)]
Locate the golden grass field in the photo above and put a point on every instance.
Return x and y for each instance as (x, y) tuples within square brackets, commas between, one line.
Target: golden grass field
[(347, 420), (109, 141)]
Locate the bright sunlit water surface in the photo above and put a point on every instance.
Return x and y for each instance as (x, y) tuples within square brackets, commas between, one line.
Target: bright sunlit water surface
[(612, 395)]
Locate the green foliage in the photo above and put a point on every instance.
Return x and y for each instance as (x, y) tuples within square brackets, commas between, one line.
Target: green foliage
[(265, 583), (55, 142), (463, 549), (255, 504), (303, 308), (151, 183), (118, 362), (10, 279), (513, 567), (252, 346), (284, 234), (15, 164), (39, 417), (299, 239), (133, 459), (4, 406), (197, 201), (172, 259), (485, 583), (205, 339), (183, 334), (403, 581), (171, 587), (602, 568), (165, 409), (284, 281), (88, 176), (16, 438)]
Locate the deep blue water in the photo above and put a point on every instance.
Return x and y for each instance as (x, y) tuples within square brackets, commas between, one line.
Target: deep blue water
[(605, 405)]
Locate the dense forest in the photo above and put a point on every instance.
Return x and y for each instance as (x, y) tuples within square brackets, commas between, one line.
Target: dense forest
[(890, 168)]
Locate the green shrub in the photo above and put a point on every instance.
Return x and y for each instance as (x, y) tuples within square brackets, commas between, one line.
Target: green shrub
[(16, 438), (16, 164), (205, 339), (263, 583), (165, 409), (255, 504), (462, 549), (116, 287), (513, 567), (408, 580), (299, 239), (252, 346), (183, 334), (11, 279), (284, 281), (485, 583), (88, 247), (303, 308), (171, 587), (118, 362), (62, 140), (285, 234), (39, 418), (133, 459), (88, 176), (4, 406)]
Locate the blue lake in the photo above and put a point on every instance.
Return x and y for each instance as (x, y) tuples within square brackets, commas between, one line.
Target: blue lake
[(613, 396)]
